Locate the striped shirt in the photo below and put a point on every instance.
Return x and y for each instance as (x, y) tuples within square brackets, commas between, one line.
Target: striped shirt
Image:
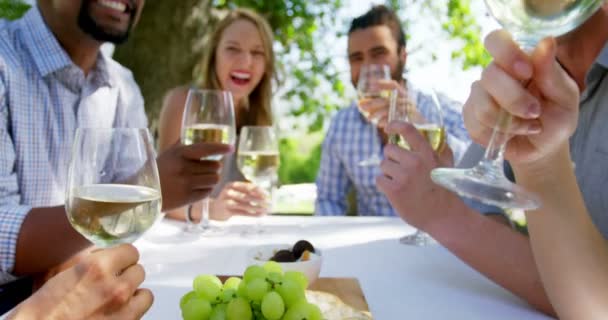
[(44, 97), (351, 139)]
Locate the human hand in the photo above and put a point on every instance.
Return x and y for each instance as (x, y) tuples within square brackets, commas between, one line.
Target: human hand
[(103, 285), (377, 109), (184, 177), (544, 113), (406, 179), (240, 198)]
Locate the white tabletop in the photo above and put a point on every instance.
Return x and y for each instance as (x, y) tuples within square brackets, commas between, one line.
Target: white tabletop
[(398, 281)]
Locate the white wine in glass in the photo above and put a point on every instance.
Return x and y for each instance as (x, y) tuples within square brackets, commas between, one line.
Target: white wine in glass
[(529, 21), (208, 118), (113, 193), (367, 91), (258, 160), (258, 166)]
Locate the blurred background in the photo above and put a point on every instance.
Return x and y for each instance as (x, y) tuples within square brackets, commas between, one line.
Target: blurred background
[(445, 50)]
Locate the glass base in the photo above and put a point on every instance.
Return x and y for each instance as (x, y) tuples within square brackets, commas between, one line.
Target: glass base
[(493, 190), (207, 231), (373, 161), (419, 239)]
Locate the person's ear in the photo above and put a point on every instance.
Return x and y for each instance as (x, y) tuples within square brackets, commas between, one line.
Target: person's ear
[(403, 55)]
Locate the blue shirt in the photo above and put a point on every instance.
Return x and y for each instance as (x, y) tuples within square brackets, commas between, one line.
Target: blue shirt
[(44, 97), (351, 139)]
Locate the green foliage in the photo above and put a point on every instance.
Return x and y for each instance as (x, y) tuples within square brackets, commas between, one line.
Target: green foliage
[(299, 165), (462, 25), (12, 9)]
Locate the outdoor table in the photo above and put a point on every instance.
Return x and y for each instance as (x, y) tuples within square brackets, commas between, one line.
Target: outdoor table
[(398, 281)]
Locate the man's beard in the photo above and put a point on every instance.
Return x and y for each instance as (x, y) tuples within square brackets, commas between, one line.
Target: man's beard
[(88, 25), (398, 72)]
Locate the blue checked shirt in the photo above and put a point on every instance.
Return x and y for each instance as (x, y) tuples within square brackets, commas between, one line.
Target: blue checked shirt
[(44, 97), (351, 139)]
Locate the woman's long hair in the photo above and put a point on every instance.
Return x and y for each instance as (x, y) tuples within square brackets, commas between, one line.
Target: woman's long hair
[(260, 98)]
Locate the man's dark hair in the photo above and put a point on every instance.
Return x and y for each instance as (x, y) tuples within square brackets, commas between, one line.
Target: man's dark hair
[(380, 15)]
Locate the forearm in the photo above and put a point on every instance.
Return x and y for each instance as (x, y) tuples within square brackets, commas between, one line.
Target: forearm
[(493, 249), (574, 270), (45, 240)]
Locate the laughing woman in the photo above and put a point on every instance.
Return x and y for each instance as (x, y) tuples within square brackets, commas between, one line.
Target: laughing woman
[(240, 60)]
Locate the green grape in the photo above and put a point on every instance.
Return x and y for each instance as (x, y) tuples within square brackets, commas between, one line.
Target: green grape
[(291, 292), (273, 266), (238, 309), (232, 283), (256, 289), (186, 298), (274, 278), (315, 312), (228, 295), (219, 312), (273, 306), (298, 277), (196, 308), (241, 291), (254, 272), (299, 311), (208, 287)]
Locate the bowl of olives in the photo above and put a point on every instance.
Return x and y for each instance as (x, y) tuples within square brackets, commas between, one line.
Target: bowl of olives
[(301, 256)]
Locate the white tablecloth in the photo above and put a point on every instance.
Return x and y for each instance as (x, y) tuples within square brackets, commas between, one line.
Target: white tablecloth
[(398, 281)]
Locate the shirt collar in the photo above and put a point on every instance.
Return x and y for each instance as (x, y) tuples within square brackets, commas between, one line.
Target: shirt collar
[(47, 53), (602, 59)]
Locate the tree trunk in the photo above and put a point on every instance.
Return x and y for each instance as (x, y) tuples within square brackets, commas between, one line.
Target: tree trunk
[(164, 48)]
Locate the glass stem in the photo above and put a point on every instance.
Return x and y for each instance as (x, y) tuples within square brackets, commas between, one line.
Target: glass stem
[(374, 145), (491, 166), (205, 214)]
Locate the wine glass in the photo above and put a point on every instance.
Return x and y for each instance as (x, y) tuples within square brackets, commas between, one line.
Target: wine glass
[(366, 91), (208, 118), (113, 190), (529, 21), (258, 159), (421, 108)]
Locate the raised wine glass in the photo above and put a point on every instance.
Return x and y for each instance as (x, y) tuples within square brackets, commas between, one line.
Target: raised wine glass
[(113, 191), (529, 21), (367, 90), (421, 108), (209, 118), (258, 160)]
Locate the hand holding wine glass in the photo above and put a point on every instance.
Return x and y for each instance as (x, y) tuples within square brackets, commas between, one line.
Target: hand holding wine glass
[(529, 21), (536, 135), (422, 110), (208, 119)]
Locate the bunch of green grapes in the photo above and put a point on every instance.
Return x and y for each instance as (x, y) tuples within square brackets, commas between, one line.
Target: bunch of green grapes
[(264, 293)]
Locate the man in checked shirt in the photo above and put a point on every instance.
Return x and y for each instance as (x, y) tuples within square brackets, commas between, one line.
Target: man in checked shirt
[(54, 79), (374, 38)]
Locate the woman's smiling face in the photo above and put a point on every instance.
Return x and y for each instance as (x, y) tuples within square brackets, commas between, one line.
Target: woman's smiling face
[(240, 59)]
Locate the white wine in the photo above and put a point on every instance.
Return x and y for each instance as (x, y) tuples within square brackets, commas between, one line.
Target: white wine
[(366, 98), (209, 133), (258, 166), (109, 214), (434, 134), (532, 20)]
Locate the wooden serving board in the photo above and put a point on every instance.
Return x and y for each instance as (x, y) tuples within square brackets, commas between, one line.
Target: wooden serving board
[(347, 289)]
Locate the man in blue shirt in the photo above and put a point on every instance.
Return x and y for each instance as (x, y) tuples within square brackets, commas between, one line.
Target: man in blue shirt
[(54, 79), (374, 38)]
